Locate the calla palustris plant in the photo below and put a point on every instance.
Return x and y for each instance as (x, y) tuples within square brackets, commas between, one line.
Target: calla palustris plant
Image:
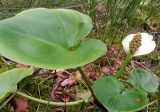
[(54, 38), (111, 92)]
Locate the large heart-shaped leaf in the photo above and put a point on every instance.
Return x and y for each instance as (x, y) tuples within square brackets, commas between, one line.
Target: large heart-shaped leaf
[(9, 80), (111, 93), (143, 79), (49, 38)]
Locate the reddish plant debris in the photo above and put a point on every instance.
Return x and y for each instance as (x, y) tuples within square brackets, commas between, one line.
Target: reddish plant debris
[(22, 66), (68, 82), (106, 69), (19, 104), (138, 64), (62, 90), (90, 72)]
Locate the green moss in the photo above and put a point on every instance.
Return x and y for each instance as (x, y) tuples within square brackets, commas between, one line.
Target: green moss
[(4, 67)]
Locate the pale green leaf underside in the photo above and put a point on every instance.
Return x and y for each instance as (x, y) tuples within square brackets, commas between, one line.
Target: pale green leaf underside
[(110, 92), (43, 38), (9, 80)]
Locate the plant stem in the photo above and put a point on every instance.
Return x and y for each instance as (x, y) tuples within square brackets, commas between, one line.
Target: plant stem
[(149, 104), (124, 64), (88, 83), (50, 102), (84, 77)]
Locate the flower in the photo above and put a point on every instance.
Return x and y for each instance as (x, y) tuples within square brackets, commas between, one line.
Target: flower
[(139, 44)]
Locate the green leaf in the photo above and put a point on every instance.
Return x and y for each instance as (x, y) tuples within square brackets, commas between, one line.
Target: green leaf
[(9, 80), (111, 93), (143, 79), (49, 38)]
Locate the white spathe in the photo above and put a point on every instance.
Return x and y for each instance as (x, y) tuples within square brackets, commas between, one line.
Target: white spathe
[(147, 44)]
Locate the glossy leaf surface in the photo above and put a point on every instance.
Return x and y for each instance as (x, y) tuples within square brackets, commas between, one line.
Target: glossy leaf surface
[(111, 93), (143, 79), (9, 80), (49, 38)]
